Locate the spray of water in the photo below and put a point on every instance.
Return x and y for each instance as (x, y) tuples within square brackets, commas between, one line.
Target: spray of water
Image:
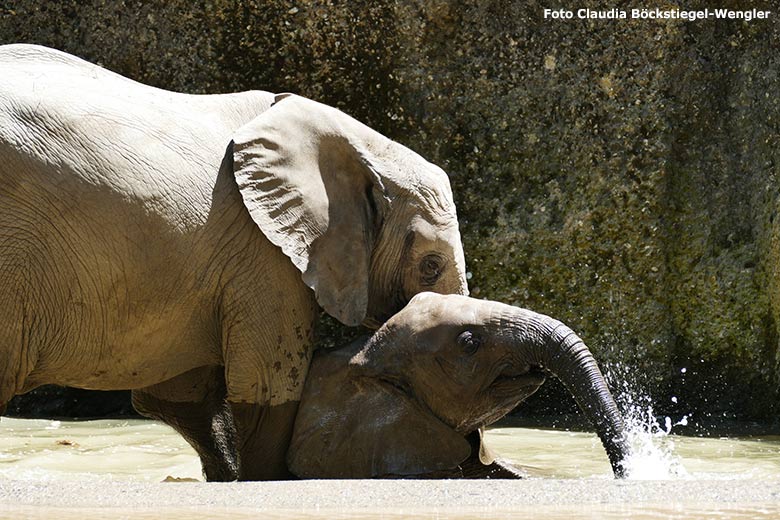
[(652, 446)]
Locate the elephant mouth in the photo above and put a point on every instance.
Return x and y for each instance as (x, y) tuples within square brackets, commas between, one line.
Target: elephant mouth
[(508, 389), (526, 382)]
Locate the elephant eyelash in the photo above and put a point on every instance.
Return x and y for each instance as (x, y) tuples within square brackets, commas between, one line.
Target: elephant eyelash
[(431, 268), (469, 342)]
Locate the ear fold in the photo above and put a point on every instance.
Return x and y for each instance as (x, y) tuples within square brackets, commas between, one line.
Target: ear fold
[(364, 428), (304, 173)]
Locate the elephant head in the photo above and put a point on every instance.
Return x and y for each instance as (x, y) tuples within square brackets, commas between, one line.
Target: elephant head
[(403, 402), (368, 222)]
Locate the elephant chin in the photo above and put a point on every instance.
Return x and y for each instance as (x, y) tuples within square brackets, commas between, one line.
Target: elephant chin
[(501, 397), (509, 391)]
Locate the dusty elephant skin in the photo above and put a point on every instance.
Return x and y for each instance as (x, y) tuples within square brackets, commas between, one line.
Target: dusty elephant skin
[(178, 246), (409, 400)]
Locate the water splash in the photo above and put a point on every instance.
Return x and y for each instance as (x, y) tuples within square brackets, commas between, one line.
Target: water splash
[(652, 446)]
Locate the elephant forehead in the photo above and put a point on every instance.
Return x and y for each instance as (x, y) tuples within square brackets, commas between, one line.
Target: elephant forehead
[(437, 235), (428, 309), (410, 172), (434, 189)]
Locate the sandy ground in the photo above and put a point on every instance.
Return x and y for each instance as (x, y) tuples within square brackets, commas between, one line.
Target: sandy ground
[(577, 498)]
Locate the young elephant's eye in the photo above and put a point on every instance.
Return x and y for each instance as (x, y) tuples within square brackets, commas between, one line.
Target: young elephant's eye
[(469, 342), (431, 267)]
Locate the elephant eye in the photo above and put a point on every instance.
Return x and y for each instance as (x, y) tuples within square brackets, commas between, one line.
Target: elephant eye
[(469, 342), (431, 267)]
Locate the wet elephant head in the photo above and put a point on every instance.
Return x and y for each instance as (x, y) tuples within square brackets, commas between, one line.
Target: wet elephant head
[(367, 221), (403, 402)]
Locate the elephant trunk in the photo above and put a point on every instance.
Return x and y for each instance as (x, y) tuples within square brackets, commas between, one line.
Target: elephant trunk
[(549, 343)]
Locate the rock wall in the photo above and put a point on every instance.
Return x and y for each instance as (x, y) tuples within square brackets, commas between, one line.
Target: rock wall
[(620, 175)]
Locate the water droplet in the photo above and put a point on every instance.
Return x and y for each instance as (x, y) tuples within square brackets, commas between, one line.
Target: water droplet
[(652, 448)]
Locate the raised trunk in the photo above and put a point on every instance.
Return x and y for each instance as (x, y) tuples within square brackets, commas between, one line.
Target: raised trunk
[(551, 344)]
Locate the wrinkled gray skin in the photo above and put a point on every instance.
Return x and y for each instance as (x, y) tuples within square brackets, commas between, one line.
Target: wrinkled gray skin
[(410, 400), (179, 246)]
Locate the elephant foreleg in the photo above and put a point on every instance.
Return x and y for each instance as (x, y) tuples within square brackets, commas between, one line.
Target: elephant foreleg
[(267, 349), (194, 405), (264, 433)]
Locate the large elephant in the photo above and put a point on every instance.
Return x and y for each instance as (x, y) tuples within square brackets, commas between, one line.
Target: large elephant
[(411, 399), (178, 245)]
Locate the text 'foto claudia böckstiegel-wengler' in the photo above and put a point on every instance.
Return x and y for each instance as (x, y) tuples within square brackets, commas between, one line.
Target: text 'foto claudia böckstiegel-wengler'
[(658, 14)]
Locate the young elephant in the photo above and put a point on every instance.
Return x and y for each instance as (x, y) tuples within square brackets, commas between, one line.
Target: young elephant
[(411, 399)]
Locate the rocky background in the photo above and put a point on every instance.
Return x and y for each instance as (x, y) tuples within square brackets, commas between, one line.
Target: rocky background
[(619, 175)]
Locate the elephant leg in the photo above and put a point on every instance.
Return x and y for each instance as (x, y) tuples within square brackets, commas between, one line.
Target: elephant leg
[(194, 405), (268, 318), (264, 396), (267, 356), (264, 399), (17, 357), (264, 434)]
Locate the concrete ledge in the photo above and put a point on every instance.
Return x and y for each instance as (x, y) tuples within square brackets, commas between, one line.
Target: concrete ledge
[(388, 496)]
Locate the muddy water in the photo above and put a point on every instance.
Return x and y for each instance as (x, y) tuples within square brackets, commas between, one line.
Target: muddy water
[(102, 452), (35, 449), (149, 451), (561, 454)]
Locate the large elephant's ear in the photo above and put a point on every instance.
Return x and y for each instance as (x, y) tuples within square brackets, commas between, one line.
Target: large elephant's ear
[(368, 428), (305, 175)]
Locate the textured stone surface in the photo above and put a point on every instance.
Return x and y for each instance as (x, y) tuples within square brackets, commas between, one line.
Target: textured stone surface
[(393, 498), (619, 175)]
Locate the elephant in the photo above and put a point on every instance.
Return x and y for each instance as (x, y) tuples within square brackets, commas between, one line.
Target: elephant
[(410, 400), (183, 246)]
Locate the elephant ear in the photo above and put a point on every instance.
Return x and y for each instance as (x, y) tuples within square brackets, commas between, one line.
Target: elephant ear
[(305, 173), (365, 428)]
